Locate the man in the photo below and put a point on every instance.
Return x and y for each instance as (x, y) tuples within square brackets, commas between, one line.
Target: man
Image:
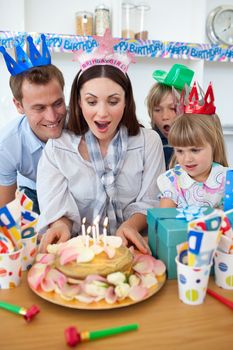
[(38, 96)]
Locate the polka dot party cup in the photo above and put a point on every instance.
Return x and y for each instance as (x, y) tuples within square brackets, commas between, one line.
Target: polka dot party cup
[(11, 269), (192, 282), (223, 269)]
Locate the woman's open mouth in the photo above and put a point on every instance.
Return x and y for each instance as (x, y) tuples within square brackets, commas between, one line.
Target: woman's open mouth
[(102, 126)]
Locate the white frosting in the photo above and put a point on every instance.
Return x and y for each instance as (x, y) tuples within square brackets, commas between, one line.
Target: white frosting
[(78, 249)]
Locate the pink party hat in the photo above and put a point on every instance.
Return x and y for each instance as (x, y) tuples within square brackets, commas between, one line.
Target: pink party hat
[(104, 54)]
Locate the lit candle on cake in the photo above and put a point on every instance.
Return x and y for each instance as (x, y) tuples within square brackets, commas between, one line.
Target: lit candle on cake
[(94, 234), (96, 223), (105, 225), (83, 227), (87, 237)]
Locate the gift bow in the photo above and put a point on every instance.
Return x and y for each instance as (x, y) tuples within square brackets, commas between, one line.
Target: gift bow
[(190, 213)]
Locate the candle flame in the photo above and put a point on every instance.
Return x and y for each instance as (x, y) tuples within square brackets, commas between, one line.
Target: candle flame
[(84, 220), (105, 223), (96, 220)]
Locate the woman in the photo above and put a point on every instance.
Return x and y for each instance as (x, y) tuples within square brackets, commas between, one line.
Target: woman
[(104, 164)]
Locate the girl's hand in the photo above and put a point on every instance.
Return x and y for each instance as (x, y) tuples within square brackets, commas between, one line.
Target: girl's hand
[(129, 234), (58, 232)]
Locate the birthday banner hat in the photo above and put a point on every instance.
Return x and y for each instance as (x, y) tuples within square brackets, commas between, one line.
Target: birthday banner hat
[(104, 54), (23, 61)]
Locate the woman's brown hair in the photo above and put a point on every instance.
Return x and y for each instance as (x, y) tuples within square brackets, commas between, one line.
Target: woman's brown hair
[(77, 122)]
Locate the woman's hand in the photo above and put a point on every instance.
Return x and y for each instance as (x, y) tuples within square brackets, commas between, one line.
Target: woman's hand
[(130, 234), (59, 231)]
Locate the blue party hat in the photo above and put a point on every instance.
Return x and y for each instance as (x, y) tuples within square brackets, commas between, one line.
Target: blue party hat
[(23, 61)]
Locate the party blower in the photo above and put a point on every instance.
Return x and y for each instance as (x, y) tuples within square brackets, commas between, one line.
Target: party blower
[(73, 337), (28, 314), (220, 298)]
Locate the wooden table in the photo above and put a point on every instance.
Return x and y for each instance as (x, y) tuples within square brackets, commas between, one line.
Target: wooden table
[(164, 323)]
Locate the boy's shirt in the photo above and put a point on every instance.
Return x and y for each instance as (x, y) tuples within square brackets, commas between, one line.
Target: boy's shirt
[(167, 149)]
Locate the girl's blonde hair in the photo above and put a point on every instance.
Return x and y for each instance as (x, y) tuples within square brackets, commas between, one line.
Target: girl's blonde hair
[(154, 97), (196, 130)]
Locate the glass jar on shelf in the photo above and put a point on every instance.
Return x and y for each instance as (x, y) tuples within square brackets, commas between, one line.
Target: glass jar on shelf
[(127, 24), (142, 12), (84, 23), (102, 19)]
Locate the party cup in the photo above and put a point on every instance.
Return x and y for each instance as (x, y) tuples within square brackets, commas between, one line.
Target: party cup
[(29, 241), (11, 269), (223, 269), (192, 282)]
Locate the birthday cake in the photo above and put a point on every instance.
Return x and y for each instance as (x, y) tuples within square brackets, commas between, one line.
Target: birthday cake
[(95, 271), (76, 260)]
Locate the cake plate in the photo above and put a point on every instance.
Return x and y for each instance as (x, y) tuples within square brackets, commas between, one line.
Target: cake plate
[(100, 305)]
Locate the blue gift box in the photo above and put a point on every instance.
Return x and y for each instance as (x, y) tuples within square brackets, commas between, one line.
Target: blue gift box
[(165, 231)]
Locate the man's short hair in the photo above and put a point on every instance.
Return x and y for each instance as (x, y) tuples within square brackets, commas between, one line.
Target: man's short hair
[(41, 75)]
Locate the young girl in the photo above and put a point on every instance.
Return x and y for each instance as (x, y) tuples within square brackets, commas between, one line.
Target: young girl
[(105, 164), (161, 104), (199, 177)]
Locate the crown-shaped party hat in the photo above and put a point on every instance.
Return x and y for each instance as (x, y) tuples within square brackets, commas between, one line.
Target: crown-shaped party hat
[(196, 102), (104, 54), (24, 62)]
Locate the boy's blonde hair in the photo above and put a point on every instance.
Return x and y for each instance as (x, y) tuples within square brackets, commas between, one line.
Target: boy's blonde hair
[(154, 97), (196, 130)]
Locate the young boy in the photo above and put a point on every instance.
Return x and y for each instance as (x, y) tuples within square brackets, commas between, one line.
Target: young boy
[(160, 102)]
